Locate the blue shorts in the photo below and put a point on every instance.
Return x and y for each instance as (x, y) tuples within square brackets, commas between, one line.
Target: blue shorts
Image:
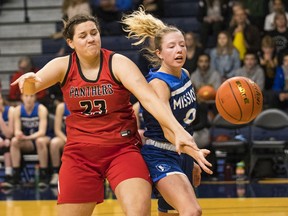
[(162, 163)]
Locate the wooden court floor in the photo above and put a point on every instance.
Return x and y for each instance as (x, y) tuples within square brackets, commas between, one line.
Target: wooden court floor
[(210, 206)]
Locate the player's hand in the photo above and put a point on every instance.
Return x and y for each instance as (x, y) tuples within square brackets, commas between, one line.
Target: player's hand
[(184, 139), (199, 156), (26, 82), (196, 175)]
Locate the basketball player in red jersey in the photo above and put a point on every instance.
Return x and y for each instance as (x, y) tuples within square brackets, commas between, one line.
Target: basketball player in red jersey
[(102, 137)]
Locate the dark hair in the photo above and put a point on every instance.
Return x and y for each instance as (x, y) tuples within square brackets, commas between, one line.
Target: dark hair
[(69, 26), (205, 54)]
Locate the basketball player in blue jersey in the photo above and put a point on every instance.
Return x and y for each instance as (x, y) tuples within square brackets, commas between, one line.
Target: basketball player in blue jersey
[(6, 133), (57, 143), (173, 86), (31, 119)]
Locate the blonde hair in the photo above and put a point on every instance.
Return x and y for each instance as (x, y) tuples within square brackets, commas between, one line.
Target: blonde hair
[(142, 26), (267, 41)]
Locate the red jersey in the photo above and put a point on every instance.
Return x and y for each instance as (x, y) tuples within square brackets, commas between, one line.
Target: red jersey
[(101, 112)]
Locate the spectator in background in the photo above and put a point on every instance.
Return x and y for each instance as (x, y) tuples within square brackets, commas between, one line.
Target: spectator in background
[(278, 6), (25, 64), (244, 35), (108, 15), (225, 57), (194, 49), (280, 85), (204, 74), (280, 35), (6, 133), (256, 11), (154, 7), (31, 123), (57, 143), (211, 16), (268, 60), (251, 69)]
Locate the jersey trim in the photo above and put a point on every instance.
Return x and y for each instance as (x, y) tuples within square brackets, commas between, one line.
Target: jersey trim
[(99, 71), (111, 71), (67, 71)]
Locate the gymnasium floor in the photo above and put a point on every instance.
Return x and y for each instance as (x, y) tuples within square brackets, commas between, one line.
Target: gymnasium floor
[(265, 198)]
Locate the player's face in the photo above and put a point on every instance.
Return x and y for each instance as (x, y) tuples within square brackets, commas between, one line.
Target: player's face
[(222, 40), (86, 39), (28, 100), (173, 50)]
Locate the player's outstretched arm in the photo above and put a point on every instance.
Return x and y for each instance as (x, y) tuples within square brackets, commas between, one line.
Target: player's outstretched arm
[(131, 77)]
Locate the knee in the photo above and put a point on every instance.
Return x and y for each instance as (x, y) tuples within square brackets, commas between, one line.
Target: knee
[(191, 211), (15, 142), (41, 143)]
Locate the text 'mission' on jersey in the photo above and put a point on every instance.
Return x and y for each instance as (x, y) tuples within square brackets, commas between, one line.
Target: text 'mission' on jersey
[(182, 102)]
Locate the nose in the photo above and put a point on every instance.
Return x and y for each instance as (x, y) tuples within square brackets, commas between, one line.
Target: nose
[(90, 38)]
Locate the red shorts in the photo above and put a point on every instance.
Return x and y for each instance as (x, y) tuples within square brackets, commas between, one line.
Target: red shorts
[(85, 167)]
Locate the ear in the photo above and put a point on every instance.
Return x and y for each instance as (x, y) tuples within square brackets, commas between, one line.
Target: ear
[(158, 53), (70, 43)]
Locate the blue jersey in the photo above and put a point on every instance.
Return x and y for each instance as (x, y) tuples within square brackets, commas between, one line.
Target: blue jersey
[(5, 114), (65, 114), (5, 118), (182, 103), (29, 123)]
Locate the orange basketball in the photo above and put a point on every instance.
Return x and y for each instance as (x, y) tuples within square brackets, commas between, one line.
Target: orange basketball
[(239, 100), (206, 92)]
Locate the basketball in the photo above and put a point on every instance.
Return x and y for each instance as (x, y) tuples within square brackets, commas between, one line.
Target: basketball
[(239, 100), (206, 92)]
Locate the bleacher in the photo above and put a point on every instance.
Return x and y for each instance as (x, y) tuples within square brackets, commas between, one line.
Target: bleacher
[(29, 33)]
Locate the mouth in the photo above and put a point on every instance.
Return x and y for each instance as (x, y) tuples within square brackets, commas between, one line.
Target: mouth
[(179, 58)]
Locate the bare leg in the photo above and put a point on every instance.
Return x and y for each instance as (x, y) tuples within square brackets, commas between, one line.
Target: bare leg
[(42, 151), (134, 196), (83, 209), (56, 145), (15, 150), (179, 193)]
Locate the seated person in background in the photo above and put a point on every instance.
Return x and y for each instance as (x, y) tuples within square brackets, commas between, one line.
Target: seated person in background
[(108, 15), (155, 7), (245, 36), (225, 57), (25, 64), (204, 74), (269, 19), (280, 35), (30, 136), (280, 85), (268, 60), (211, 15), (6, 133), (57, 143), (251, 69), (194, 49)]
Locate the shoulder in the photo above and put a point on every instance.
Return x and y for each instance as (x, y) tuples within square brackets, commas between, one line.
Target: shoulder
[(60, 107), (42, 108), (11, 109), (186, 71), (17, 109)]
